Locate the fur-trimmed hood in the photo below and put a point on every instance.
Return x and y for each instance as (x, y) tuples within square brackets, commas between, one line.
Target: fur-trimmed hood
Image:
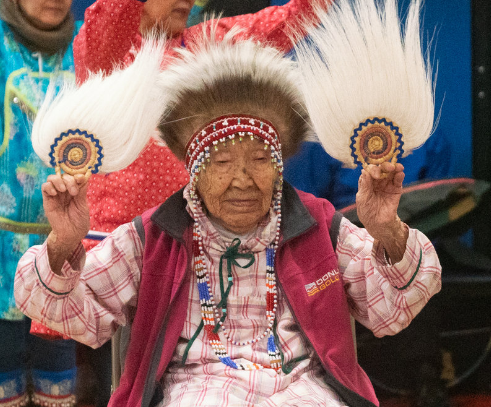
[(216, 77)]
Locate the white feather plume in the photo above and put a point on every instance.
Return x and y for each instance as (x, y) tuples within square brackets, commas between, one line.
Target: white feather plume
[(121, 110), (358, 63)]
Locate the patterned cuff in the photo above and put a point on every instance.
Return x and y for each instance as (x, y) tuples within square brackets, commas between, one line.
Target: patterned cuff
[(400, 275), (54, 389), (55, 284), (13, 389)]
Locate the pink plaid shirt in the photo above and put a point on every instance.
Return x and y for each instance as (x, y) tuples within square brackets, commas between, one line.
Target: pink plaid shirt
[(92, 297)]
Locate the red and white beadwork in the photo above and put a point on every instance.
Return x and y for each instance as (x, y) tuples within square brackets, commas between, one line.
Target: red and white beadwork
[(229, 128)]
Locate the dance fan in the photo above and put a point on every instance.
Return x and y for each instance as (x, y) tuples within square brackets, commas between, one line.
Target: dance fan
[(105, 123), (367, 84)]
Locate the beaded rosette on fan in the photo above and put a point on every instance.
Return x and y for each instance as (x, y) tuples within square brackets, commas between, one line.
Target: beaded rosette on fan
[(103, 124), (76, 152), (375, 141), (222, 130)]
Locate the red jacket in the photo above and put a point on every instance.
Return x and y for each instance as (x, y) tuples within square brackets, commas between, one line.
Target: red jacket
[(305, 256), (110, 31)]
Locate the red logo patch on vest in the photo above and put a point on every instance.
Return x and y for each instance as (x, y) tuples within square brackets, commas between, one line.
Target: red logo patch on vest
[(322, 283)]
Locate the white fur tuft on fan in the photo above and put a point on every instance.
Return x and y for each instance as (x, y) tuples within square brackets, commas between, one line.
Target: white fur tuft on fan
[(121, 110), (358, 64)]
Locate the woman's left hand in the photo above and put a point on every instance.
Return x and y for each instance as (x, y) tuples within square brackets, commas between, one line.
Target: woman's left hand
[(377, 200)]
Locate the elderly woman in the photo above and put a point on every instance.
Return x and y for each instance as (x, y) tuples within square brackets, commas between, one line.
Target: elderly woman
[(238, 290)]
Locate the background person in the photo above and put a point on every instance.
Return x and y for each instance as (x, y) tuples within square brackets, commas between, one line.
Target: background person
[(36, 50), (117, 198)]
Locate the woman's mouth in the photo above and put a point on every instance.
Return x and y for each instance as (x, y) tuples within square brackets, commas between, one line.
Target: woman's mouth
[(242, 203)]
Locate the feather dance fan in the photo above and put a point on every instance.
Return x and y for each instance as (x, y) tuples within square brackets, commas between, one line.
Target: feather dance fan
[(105, 123), (367, 84)]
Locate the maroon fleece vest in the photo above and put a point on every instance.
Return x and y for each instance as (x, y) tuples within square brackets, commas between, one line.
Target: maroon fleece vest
[(307, 273)]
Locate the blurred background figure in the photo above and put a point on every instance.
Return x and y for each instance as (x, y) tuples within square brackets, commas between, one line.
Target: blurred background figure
[(35, 51), (230, 8), (196, 12)]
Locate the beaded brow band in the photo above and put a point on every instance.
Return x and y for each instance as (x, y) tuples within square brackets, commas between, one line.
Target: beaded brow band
[(225, 128)]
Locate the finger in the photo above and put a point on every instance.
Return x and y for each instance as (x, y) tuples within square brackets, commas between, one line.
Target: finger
[(374, 171), (387, 167), (83, 185), (71, 184), (399, 167), (49, 189), (82, 179), (398, 179), (365, 180), (57, 182)]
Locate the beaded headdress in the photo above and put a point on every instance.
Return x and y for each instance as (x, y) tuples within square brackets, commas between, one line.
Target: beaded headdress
[(367, 84), (221, 92)]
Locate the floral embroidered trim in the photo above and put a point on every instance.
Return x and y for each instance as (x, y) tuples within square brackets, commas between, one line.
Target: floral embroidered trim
[(45, 400)]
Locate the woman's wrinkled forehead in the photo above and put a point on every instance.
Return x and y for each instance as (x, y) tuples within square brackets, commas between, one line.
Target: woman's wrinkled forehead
[(250, 153)]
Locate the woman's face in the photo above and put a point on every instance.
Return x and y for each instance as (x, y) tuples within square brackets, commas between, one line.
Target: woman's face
[(238, 183), (168, 15), (45, 14)]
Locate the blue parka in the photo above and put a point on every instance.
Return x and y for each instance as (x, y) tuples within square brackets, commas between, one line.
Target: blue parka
[(24, 79)]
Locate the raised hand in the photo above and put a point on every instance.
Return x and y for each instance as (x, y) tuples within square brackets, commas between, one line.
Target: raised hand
[(377, 200), (65, 206)]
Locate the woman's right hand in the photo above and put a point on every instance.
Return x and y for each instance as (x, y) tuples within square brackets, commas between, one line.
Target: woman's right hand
[(65, 206)]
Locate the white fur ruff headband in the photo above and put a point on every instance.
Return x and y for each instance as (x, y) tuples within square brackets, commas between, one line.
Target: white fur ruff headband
[(368, 87)]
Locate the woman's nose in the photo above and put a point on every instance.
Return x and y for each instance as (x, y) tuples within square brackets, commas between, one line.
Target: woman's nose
[(241, 174)]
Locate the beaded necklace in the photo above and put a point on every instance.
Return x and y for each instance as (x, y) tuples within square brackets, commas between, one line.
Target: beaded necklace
[(221, 130)]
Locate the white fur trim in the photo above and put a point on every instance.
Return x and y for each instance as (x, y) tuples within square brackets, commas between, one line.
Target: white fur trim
[(210, 61)]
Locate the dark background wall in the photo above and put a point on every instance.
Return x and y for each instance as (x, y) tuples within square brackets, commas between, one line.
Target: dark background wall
[(481, 111), (79, 6), (481, 90), (452, 45)]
